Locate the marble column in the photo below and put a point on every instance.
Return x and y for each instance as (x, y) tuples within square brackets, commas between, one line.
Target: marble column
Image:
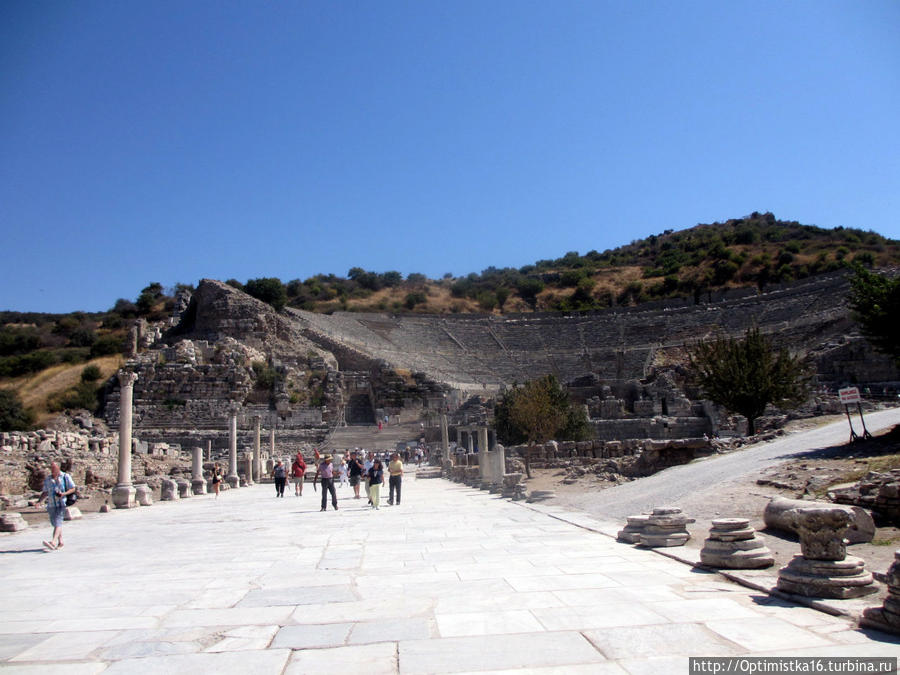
[(483, 465), (272, 442), (198, 484), (123, 495), (257, 460), (232, 477), (445, 439), (248, 468), (208, 451)]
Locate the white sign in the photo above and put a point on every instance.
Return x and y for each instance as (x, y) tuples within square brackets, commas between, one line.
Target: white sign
[(849, 395)]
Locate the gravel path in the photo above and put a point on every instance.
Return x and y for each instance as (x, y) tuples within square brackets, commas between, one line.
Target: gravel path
[(673, 485)]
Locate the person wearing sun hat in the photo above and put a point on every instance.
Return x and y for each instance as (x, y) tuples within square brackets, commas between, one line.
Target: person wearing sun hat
[(326, 471)]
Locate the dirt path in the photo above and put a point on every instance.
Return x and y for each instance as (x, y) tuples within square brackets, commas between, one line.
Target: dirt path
[(726, 486)]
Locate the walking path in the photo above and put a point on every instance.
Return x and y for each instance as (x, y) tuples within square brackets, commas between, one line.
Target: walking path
[(453, 580)]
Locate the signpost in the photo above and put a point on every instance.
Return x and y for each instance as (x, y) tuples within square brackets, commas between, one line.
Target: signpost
[(850, 395)]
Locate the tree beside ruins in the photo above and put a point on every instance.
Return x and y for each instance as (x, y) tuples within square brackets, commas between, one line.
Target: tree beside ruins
[(268, 289), (538, 411), (875, 301), (746, 374)]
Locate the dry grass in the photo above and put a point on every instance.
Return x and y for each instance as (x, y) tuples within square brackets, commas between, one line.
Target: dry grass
[(34, 389)]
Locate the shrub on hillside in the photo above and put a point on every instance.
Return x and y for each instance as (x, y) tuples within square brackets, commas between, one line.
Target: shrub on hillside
[(82, 395), (106, 345), (13, 415)]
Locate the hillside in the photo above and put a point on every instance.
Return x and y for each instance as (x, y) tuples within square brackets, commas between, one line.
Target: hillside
[(753, 251), (43, 357)]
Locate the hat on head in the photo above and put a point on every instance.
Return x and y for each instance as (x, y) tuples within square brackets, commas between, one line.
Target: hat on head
[(327, 458)]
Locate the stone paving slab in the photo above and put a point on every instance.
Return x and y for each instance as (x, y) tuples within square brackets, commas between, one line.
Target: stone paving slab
[(453, 581)]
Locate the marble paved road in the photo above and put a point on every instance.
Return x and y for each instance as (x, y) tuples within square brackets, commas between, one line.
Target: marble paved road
[(454, 580)]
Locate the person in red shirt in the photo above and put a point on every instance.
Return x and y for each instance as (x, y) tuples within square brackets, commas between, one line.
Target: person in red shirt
[(298, 471)]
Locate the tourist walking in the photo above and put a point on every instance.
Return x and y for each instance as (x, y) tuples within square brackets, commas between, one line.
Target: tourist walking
[(343, 471), (376, 479), (395, 471), (367, 467), (355, 472), (57, 486), (326, 470), (298, 471), (280, 476), (216, 479)]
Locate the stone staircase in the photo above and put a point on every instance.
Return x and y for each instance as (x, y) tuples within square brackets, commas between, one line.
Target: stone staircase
[(367, 436)]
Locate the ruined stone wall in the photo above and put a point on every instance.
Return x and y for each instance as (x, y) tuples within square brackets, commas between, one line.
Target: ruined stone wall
[(91, 460)]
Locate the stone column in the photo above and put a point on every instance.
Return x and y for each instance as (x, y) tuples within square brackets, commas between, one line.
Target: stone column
[(208, 451), (257, 460), (198, 484), (248, 467), (232, 477), (123, 495), (483, 462), (272, 442), (445, 439)]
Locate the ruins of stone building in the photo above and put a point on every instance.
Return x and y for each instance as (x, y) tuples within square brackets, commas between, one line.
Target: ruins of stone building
[(624, 364)]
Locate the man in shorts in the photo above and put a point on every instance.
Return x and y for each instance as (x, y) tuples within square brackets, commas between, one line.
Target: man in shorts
[(57, 486), (355, 471)]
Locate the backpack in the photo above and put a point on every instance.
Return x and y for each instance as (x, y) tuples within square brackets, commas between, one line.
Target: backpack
[(69, 484)]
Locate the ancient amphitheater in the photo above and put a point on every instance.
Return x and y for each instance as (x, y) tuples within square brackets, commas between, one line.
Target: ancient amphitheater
[(484, 352)]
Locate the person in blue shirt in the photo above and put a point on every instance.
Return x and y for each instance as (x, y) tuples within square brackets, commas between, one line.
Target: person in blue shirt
[(57, 486)]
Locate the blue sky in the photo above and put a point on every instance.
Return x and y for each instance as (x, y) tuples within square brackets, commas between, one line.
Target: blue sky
[(170, 141)]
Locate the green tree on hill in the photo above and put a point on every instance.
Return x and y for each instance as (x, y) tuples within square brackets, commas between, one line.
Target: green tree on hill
[(268, 289), (13, 415), (875, 301), (746, 374)]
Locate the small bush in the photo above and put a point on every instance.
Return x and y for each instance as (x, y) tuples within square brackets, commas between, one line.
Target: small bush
[(83, 395), (90, 373), (106, 345), (13, 415)]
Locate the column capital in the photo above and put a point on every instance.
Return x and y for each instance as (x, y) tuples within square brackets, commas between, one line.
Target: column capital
[(234, 408), (127, 378)]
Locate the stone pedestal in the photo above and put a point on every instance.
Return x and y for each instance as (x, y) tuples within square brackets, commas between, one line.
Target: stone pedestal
[(733, 544), (184, 488), (72, 513), (143, 495), (124, 497), (168, 490), (824, 570), (631, 533), (887, 617), (105, 508), (12, 522), (513, 486), (666, 526)]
